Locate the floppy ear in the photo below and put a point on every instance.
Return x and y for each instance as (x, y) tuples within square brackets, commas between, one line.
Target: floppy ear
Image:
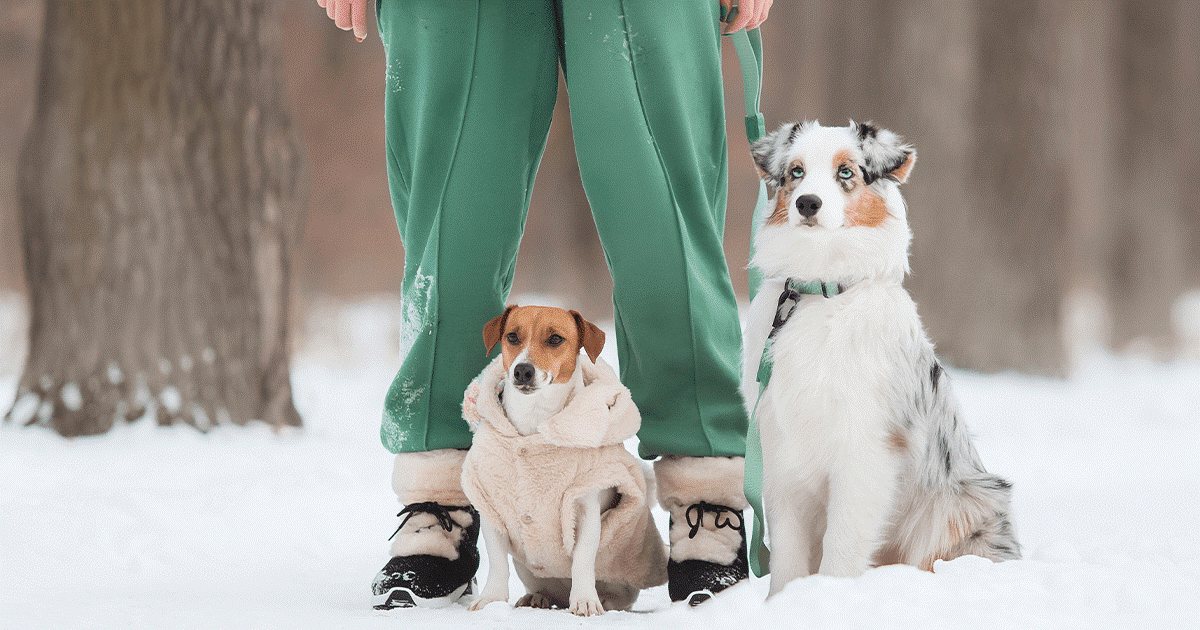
[(591, 338), (885, 154), (768, 150), (493, 330)]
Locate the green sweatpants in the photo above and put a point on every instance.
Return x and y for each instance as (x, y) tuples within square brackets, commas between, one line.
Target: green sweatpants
[(470, 90)]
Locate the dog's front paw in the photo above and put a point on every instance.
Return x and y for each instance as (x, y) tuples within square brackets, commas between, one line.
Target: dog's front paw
[(587, 607), (535, 600), (483, 600)]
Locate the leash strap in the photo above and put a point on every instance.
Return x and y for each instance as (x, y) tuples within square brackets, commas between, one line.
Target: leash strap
[(748, 45), (749, 48), (789, 299)]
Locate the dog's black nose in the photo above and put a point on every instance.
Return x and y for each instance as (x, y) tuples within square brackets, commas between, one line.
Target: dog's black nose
[(808, 205), (523, 373)]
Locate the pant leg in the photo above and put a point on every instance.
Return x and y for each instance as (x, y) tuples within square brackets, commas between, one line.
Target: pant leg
[(647, 111), (470, 90)]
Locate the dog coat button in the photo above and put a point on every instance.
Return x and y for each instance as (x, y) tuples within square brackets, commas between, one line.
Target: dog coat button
[(523, 451), (527, 518)]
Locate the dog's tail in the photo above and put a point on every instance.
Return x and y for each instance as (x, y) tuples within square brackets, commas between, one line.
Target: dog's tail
[(969, 519), (985, 503)]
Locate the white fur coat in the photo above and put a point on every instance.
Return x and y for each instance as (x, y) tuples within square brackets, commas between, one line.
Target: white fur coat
[(529, 484)]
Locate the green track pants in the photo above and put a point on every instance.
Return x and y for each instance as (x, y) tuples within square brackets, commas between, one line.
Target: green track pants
[(470, 90)]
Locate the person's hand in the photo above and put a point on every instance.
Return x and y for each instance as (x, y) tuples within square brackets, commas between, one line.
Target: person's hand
[(348, 15), (750, 14)]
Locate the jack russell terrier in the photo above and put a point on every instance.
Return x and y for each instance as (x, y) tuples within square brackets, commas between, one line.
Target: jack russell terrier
[(549, 473), (866, 460)]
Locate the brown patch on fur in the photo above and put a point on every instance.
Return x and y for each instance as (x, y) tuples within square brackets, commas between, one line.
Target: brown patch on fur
[(866, 209), (534, 326), (591, 338), (887, 554), (493, 330), (783, 196), (782, 203), (897, 440), (900, 173), (958, 529), (840, 159)]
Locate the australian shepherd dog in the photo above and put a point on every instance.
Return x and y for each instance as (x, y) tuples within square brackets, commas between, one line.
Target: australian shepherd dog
[(866, 460)]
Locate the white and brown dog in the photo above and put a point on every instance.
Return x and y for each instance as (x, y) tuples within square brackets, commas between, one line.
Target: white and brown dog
[(865, 459), (548, 471)]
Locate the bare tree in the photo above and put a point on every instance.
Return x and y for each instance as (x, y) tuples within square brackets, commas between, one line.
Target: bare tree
[(157, 190)]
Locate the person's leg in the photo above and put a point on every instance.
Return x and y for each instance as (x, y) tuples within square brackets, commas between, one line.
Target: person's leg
[(470, 90), (647, 110)]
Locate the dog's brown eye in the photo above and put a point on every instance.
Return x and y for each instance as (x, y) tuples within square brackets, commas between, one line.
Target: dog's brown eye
[(513, 338), (555, 341), (797, 172)]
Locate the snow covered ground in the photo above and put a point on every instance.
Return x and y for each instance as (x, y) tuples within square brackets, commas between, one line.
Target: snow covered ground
[(246, 528)]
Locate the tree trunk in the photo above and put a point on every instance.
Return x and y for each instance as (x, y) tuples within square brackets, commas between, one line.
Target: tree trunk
[(157, 191), (1149, 264)]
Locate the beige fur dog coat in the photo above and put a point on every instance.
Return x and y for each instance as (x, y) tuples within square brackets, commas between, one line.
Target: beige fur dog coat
[(529, 484)]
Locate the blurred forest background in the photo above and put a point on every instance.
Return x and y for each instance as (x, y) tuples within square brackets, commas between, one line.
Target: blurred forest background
[(1054, 204)]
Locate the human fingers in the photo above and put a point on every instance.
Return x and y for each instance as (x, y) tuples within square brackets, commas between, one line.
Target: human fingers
[(742, 13), (764, 7), (358, 17), (321, 3), (343, 15)]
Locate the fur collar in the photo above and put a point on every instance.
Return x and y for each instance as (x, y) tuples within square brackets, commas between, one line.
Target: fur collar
[(598, 414)]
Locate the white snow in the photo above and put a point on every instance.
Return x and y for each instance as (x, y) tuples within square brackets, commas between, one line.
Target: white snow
[(71, 396), (115, 376), (170, 398), (150, 527)]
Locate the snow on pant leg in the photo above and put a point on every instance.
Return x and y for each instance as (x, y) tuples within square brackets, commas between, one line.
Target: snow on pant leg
[(470, 90), (647, 112)]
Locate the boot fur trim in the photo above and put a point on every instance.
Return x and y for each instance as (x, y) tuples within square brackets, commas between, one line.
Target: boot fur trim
[(685, 481), (429, 476)]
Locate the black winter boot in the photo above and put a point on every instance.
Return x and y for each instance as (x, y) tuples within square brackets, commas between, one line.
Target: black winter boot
[(696, 580), (440, 570), (704, 497)]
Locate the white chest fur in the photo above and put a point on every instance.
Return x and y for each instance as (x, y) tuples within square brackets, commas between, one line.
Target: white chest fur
[(528, 412), (836, 362)]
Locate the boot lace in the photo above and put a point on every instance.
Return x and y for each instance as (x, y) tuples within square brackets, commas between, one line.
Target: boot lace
[(720, 518), (439, 511)]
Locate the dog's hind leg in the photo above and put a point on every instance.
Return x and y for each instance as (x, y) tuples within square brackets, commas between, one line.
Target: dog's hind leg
[(617, 595), (544, 592)]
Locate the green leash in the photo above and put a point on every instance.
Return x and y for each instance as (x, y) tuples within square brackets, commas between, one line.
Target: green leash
[(748, 45)]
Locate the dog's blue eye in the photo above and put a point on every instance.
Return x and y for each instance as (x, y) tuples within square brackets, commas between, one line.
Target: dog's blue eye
[(555, 341), (845, 173), (513, 338), (797, 172)]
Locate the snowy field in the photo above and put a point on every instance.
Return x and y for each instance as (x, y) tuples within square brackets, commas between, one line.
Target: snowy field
[(246, 528)]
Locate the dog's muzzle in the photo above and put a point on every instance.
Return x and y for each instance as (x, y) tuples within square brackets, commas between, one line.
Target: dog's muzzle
[(524, 377)]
